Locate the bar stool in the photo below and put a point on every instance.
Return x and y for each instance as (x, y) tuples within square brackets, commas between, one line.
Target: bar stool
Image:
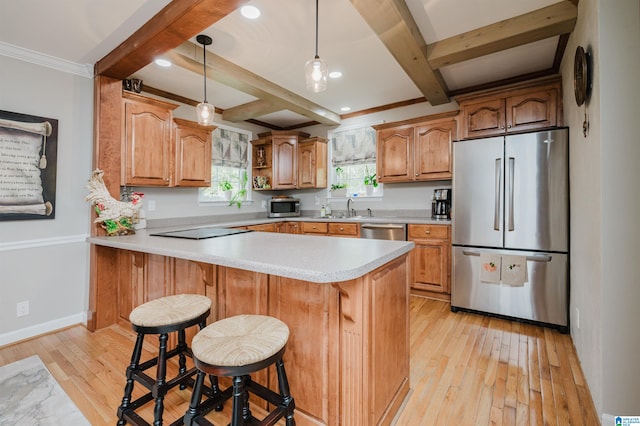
[(161, 316), (236, 347)]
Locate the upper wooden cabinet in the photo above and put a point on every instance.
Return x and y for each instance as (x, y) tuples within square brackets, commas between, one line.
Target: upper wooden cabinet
[(517, 108), (146, 141), (416, 150), (158, 150), (312, 163), (192, 153), (275, 156)]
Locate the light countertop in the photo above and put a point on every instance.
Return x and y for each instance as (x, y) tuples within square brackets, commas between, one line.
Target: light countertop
[(317, 259)]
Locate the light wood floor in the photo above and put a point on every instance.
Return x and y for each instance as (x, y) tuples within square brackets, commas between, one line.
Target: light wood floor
[(465, 370)]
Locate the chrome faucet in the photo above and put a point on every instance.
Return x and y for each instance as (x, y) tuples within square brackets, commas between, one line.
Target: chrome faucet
[(350, 211)]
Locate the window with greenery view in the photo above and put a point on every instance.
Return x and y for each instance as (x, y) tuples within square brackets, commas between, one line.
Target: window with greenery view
[(229, 167), (353, 160)]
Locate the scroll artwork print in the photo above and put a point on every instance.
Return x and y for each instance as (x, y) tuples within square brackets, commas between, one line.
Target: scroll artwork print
[(28, 157)]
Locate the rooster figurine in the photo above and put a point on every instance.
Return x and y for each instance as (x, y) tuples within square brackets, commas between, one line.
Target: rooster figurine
[(115, 216)]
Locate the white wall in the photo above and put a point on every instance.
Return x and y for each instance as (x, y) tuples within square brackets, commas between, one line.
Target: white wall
[(619, 69), (605, 203), (46, 261)]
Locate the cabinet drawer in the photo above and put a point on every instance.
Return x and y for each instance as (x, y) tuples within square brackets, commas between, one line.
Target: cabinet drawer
[(315, 227), (429, 231), (265, 227), (350, 229)]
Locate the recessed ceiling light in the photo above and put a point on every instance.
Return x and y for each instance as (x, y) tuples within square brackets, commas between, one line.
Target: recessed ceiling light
[(335, 74), (162, 62), (345, 109), (250, 12)]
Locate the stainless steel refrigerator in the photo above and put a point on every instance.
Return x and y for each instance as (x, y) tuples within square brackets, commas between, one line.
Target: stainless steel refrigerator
[(510, 227)]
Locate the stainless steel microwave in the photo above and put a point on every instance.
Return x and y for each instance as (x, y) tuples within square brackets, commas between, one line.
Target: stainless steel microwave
[(283, 207)]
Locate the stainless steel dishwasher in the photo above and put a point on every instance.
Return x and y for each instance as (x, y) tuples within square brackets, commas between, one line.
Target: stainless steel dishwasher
[(384, 231)]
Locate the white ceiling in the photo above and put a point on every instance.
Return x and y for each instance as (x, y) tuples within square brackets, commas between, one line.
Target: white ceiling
[(277, 45)]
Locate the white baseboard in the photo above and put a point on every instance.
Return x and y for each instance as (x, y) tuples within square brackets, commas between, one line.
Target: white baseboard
[(38, 329)]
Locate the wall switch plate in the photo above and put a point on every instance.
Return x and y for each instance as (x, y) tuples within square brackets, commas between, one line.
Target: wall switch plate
[(317, 201), (22, 308), (151, 205), (264, 204)]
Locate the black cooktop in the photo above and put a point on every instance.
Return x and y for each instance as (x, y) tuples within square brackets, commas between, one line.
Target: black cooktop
[(200, 233)]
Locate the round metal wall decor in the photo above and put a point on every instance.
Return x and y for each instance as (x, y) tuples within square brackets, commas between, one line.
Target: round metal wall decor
[(580, 75)]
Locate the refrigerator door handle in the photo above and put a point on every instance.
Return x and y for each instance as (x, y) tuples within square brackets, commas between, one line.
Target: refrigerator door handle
[(496, 207), (512, 162), (537, 258)]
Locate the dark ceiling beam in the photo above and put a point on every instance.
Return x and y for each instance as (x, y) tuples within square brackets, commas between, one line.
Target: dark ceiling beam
[(178, 21), (393, 23), (554, 20), (188, 56)]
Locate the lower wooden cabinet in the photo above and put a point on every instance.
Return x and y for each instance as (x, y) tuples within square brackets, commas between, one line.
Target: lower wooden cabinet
[(331, 229), (431, 257)]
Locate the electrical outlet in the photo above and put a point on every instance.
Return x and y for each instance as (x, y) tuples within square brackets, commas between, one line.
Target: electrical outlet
[(317, 201), (151, 205), (264, 204), (578, 318), (22, 308)]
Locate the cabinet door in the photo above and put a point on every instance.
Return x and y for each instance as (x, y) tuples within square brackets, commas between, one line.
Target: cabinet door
[(193, 156), (147, 145), (306, 165), (484, 118), (431, 270), (293, 228), (285, 161), (432, 158), (532, 110), (312, 164), (394, 150)]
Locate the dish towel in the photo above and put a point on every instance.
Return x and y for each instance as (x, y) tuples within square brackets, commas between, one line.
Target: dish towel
[(490, 267), (514, 270)]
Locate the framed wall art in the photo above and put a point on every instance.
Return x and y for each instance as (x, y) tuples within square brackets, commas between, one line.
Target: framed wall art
[(28, 162)]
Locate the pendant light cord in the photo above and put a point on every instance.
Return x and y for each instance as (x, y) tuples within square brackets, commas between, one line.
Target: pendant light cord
[(204, 70), (317, 30)]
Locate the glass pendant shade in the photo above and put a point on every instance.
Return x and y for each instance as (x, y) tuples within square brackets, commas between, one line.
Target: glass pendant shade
[(205, 110), (316, 73), (205, 113)]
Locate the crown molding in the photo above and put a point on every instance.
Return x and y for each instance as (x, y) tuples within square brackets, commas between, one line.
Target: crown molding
[(37, 58)]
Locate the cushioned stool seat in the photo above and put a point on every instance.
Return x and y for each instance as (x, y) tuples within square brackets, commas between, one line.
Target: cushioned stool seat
[(161, 316), (236, 347)]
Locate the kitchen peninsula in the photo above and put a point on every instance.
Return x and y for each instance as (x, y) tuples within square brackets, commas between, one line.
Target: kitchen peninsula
[(345, 300)]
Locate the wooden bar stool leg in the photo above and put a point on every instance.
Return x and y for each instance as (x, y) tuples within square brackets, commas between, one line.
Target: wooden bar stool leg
[(182, 359), (161, 375), (238, 401), (193, 410), (128, 388), (287, 400)]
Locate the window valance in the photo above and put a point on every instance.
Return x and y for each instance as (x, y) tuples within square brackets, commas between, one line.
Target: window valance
[(356, 146), (230, 148)]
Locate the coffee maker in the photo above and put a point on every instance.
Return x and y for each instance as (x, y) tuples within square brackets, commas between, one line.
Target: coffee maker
[(441, 204)]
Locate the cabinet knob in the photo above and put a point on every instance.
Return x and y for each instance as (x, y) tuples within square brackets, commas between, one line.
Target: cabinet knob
[(509, 126), (417, 174), (341, 228), (428, 231)]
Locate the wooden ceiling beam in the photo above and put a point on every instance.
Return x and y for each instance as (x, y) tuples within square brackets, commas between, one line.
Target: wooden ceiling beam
[(178, 21), (188, 55), (249, 110), (554, 20), (393, 23)]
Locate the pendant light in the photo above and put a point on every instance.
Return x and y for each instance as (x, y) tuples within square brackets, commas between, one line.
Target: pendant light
[(316, 70), (204, 109)]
